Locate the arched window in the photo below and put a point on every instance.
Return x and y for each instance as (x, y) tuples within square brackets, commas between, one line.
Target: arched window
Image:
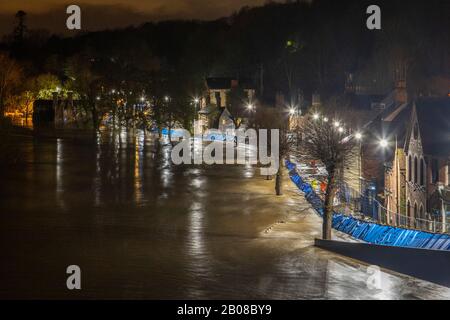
[(410, 170), (416, 169), (415, 210), (422, 172), (422, 212), (408, 209)]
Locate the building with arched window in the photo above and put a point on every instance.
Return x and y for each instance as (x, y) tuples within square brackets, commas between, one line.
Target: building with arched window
[(418, 165)]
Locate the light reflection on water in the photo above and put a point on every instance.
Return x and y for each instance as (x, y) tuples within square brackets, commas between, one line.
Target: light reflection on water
[(140, 227)]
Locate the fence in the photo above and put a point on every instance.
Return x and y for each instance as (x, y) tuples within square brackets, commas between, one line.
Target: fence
[(368, 230), (366, 204)]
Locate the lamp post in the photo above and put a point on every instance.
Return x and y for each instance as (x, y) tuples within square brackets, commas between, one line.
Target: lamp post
[(196, 102), (384, 143), (358, 137)]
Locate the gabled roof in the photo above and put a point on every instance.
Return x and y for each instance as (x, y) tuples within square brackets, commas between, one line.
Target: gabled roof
[(433, 116), (224, 113), (434, 124)]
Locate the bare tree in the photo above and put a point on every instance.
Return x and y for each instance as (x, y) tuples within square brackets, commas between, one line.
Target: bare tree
[(326, 140), (10, 75), (271, 118)]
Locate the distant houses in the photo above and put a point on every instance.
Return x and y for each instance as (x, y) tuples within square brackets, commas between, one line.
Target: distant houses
[(223, 105), (417, 172), (410, 174)]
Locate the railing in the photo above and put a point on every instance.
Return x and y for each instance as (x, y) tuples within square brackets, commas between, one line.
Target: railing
[(367, 207), (366, 229)]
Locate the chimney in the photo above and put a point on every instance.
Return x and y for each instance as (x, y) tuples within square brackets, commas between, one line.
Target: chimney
[(279, 100), (315, 100), (349, 85), (401, 94)]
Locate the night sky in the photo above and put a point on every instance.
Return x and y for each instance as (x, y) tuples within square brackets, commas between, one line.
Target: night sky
[(104, 14)]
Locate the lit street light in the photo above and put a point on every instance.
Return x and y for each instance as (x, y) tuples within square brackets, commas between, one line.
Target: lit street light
[(325, 119), (358, 136), (315, 116), (250, 107), (337, 124), (383, 143)]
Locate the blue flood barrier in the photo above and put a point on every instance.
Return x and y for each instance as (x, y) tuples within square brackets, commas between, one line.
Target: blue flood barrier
[(371, 232)]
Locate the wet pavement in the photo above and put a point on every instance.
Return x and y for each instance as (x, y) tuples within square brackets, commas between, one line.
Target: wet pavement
[(141, 228)]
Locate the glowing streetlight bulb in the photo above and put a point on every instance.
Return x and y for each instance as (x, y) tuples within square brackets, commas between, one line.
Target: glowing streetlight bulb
[(383, 143), (315, 116), (358, 136), (250, 106), (196, 100), (166, 98), (341, 129), (292, 111), (142, 99), (337, 124), (325, 119), (113, 91)]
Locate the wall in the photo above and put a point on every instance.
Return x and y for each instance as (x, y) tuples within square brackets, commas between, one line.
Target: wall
[(429, 265)]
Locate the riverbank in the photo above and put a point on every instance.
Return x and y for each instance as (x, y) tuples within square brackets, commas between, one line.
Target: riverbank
[(140, 227)]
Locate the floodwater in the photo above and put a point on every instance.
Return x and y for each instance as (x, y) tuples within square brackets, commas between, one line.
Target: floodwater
[(140, 227)]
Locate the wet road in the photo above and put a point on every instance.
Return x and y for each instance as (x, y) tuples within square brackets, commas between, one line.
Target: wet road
[(140, 227)]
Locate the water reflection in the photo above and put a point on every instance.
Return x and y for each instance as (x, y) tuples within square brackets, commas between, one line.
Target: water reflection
[(139, 166), (59, 172), (141, 227)]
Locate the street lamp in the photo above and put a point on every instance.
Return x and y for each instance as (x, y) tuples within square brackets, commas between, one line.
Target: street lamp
[(316, 116), (337, 124), (358, 136), (292, 111), (166, 98), (325, 119), (383, 143), (340, 129), (250, 107)]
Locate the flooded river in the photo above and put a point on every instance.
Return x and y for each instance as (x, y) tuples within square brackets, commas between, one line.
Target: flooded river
[(140, 227)]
